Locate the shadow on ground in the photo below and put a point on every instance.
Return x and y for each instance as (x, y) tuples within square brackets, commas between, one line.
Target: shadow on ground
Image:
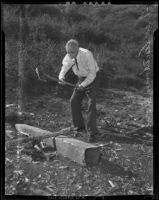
[(108, 167), (107, 137)]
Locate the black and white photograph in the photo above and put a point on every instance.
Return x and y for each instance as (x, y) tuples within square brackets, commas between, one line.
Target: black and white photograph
[(78, 99)]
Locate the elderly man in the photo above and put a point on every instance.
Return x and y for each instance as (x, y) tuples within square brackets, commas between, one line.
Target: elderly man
[(84, 66)]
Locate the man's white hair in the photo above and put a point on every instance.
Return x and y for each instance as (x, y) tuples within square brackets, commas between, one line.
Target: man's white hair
[(73, 43)]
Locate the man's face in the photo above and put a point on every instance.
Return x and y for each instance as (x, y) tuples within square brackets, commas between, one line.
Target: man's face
[(72, 51)]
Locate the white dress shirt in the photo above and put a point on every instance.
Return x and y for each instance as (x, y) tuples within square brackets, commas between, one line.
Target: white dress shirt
[(87, 66)]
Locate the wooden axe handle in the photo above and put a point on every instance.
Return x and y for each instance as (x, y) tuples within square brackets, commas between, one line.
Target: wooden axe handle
[(57, 80)]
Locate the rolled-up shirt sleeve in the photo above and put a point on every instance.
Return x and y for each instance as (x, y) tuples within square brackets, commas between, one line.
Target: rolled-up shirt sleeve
[(92, 70), (66, 65)]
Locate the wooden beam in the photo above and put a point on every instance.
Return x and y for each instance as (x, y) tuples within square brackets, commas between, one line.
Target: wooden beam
[(78, 151), (36, 133)]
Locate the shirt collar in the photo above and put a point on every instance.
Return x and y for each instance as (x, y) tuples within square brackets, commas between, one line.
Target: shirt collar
[(78, 55)]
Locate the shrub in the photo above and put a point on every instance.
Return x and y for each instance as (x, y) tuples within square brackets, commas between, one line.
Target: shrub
[(103, 12), (86, 33), (11, 23), (39, 10), (140, 24), (11, 62), (131, 12), (45, 28), (127, 81), (114, 38), (104, 80), (73, 17), (11, 28), (72, 14), (46, 55), (112, 41)]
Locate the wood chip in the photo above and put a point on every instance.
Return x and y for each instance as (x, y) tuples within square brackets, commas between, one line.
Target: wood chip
[(63, 167), (111, 183)]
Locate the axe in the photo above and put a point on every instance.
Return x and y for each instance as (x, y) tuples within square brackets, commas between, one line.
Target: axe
[(57, 80), (53, 79)]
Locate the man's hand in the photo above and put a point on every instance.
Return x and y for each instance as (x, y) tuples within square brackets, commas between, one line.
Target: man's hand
[(62, 82), (80, 88)]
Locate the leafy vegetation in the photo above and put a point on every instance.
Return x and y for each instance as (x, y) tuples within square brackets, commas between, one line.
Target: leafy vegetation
[(114, 33)]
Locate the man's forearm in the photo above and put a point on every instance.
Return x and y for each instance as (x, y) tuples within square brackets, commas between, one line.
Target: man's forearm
[(90, 78), (62, 74)]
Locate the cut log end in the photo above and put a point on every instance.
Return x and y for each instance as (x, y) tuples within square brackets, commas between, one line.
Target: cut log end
[(92, 156)]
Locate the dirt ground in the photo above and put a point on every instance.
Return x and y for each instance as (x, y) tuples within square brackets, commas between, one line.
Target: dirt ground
[(126, 165)]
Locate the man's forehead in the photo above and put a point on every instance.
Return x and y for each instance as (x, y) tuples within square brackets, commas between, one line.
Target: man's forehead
[(71, 48)]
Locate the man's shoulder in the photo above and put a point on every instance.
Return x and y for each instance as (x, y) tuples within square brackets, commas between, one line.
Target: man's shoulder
[(67, 60), (83, 50), (66, 57)]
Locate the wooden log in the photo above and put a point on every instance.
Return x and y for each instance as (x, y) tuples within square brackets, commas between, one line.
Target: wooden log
[(78, 151), (36, 133)]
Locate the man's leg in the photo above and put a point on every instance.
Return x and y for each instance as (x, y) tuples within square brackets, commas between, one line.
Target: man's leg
[(76, 101), (91, 112)]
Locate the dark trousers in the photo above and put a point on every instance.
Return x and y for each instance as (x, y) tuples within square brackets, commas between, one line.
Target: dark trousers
[(76, 102)]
